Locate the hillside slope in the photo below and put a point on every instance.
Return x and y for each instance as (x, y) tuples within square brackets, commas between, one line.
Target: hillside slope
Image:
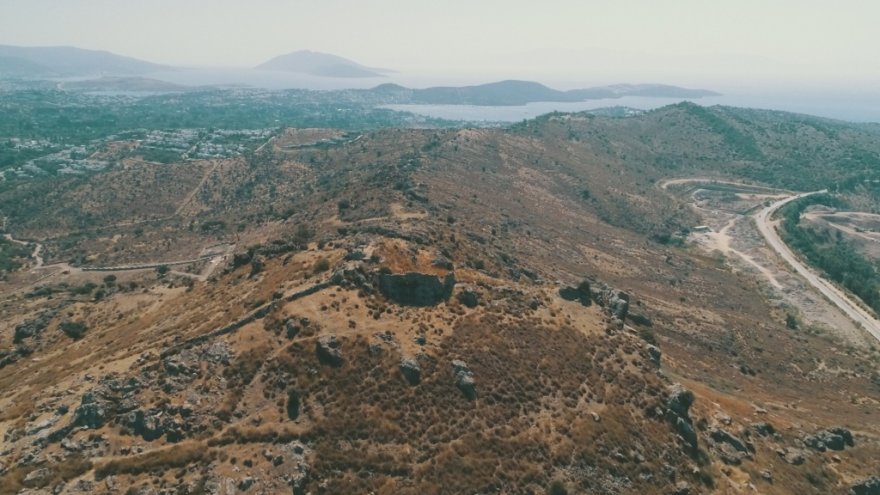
[(441, 311)]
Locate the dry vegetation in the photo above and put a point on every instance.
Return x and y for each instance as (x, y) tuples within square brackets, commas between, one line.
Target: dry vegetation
[(232, 387)]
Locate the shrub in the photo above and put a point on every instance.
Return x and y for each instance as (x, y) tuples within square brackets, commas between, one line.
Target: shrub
[(73, 329), (322, 265), (557, 488), (293, 403)]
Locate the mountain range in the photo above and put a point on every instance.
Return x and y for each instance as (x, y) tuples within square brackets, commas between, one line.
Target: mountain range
[(116, 72)]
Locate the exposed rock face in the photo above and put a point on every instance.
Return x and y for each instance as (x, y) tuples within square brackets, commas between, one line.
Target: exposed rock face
[(91, 412), (837, 438), (723, 436), (464, 379), (296, 453), (731, 449), (352, 276), (329, 350), (678, 413), (764, 429), (581, 293), (416, 289), (37, 477), (411, 370), (615, 302), (869, 486), (153, 424), (795, 457)]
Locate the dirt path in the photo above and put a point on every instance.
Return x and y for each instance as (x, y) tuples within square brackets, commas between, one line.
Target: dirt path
[(192, 194), (36, 252)]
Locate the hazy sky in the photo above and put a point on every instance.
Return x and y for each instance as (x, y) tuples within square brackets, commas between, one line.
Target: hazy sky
[(813, 43)]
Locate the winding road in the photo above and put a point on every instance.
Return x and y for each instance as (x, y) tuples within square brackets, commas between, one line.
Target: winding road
[(767, 227)]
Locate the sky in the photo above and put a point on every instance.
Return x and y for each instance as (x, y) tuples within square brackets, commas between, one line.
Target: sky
[(819, 44)]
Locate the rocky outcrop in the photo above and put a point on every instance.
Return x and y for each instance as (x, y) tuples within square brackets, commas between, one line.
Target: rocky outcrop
[(678, 413), (416, 289), (731, 449), (764, 429), (464, 379), (837, 438), (295, 453), (91, 413), (795, 457), (655, 354), (411, 370), (152, 425), (868, 486), (329, 350), (581, 293), (615, 302)]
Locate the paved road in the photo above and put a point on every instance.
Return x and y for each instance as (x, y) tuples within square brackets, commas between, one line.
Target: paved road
[(835, 295), (768, 229)]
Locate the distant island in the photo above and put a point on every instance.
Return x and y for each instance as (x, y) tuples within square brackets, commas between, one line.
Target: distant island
[(320, 64), (105, 71), (509, 93)]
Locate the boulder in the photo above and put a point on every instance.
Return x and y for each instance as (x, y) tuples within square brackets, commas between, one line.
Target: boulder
[(416, 289), (91, 413), (37, 477), (615, 302), (246, 483), (181, 364), (680, 400), (329, 350), (722, 436), (795, 457), (678, 413), (655, 354), (147, 425), (764, 429), (837, 438), (298, 476), (868, 486), (464, 379), (581, 293), (411, 370)]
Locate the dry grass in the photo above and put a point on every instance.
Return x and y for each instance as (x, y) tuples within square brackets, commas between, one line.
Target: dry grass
[(157, 461)]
